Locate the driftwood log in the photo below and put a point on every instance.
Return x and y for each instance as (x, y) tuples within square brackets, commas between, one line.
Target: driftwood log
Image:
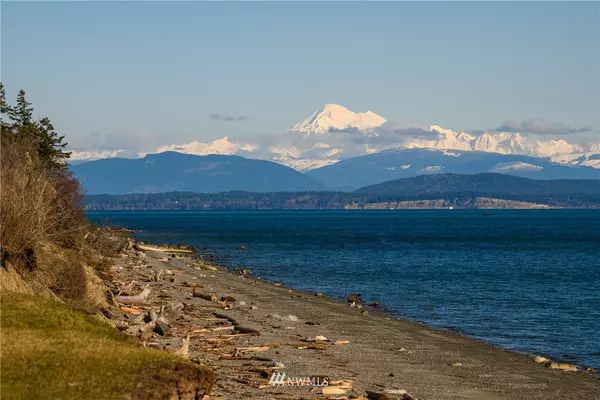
[(209, 297), (140, 298)]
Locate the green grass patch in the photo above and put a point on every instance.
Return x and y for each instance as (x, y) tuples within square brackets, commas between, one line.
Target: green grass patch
[(50, 351)]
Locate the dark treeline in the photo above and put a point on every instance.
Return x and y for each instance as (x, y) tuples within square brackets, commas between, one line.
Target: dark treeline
[(460, 190), (308, 201)]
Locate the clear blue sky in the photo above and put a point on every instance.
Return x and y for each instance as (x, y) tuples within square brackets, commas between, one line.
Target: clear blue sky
[(154, 71)]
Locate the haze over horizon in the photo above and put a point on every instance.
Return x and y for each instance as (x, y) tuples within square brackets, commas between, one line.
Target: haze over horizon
[(173, 73)]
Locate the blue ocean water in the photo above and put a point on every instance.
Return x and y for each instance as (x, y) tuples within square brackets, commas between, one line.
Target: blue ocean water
[(527, 280)]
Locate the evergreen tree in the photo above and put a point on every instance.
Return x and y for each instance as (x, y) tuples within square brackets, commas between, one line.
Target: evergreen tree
[(4, 108), (51, 145), (20, 125), (21, 116)]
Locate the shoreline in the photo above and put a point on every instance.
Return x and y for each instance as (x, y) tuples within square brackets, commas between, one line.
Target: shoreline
[(384, 311), (382, 353)]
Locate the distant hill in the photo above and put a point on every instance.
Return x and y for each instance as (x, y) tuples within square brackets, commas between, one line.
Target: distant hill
[(171, 171), (394, 164), (459, 191), (486, 183)]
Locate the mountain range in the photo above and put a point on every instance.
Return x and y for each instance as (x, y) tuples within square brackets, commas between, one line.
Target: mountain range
[(173, 171), (395, 163), (333, 133)]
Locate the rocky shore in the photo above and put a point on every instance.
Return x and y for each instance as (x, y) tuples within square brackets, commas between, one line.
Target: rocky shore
[(263, 340)]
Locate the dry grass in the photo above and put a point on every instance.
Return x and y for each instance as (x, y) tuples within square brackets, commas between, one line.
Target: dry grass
[(37, 205), (42, 230)]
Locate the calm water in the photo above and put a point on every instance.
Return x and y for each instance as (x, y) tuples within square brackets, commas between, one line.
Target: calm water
[(525, 280)]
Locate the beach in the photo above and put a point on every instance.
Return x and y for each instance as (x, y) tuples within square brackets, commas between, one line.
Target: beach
[(249, 331)]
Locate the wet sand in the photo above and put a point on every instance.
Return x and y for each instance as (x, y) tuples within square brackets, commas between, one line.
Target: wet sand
[(382, 354)]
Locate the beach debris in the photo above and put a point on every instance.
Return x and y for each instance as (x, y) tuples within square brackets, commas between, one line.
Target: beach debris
[(209, 297), (355, 300), (242, 248), (400, 392), (364, 312), (342, 383), (377, 396), (312, 323), (563, 366), (170, 313), (252, 349), (288, 317), (542, 360), (253, 307), (156, 277), (131, 310), (338, 342), (184, 350), (228, 299), (374, 304), (319, 294), (161, 328), (456, 364), (318, 338), (242, 303), (401, 349), (332, 390), (140, 298), (314, 346), (245, 329), (142, 331)]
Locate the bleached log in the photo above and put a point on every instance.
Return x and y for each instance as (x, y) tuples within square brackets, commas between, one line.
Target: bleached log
[(140, 298)]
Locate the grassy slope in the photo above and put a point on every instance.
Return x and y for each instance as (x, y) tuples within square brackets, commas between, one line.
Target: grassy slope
[(67, 354)]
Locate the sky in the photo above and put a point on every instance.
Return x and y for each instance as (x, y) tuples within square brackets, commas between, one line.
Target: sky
[(143, 74)]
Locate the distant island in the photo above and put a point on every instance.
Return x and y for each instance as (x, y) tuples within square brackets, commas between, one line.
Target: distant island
[(439, 191)]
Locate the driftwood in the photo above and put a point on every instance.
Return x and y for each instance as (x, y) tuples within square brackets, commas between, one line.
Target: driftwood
[(223, 328), (140, 298), (170, 313), (244, 329), (209, 297), (184, 350), (254, 349), (157, 277), (315, 346), (227, 317), (235, 335), (143, 331), (331, 390), (146, 247)]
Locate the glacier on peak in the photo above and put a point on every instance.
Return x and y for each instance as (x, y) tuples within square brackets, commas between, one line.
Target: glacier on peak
[(333, 117)]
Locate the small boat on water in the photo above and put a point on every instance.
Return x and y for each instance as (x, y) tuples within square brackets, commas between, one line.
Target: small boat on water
[(485, 214)]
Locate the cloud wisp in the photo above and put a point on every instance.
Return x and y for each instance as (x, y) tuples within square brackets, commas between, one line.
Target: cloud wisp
[(227, 118), (539, 126)]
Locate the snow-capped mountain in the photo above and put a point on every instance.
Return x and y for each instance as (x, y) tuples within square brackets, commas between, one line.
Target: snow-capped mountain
[(82, 156), (333, 117), (335, 133), (219, 146)]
